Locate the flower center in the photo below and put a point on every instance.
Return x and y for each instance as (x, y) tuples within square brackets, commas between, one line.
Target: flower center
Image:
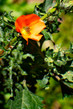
[(26, 30)]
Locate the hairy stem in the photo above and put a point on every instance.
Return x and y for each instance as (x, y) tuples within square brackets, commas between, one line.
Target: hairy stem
[(45, 16)]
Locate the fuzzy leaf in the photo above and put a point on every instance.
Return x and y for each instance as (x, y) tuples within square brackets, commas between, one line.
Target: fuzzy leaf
[(67, 88), (25, 99), (25, 56), (47, 4), (42, 83), (69, 76), (46, 34), (46, 44)]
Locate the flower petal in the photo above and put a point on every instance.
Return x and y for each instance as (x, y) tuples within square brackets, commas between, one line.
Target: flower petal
[(25, 20), (25, 35), (36, 37), (30, 26), (20, 22), (37, 27)]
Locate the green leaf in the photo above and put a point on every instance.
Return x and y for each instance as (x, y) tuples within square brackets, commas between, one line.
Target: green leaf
[(25, 56), (42, 83), (25, 99), (69, 76), (60, 63), (68, 84), (67, 88), (1, 35), (47, 44), (46, 34), (47, 4)]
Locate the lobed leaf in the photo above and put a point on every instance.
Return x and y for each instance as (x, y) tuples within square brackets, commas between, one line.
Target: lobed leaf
[(25, 99)]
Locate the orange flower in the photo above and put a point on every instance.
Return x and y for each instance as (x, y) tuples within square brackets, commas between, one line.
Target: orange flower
[(30, 26)]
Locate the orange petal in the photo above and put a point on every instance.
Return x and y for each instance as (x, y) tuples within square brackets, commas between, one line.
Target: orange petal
[(31, 18), (20, 22), (37, 27), (25, 20), (36, 37), (25, 36)]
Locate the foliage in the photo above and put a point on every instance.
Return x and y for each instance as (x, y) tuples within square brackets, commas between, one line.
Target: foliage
[(25, 69), (24, 99)]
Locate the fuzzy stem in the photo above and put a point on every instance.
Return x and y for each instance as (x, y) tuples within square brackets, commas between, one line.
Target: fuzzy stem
[(42, 18)]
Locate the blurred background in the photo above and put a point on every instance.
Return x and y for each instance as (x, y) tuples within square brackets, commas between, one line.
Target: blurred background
[(53, 96), (18, 7)]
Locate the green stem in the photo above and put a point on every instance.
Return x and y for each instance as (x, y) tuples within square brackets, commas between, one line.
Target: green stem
[(13, 40), (47, 14), (42, 18)]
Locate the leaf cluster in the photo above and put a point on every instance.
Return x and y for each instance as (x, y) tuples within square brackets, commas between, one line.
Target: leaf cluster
[(32, 65)]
